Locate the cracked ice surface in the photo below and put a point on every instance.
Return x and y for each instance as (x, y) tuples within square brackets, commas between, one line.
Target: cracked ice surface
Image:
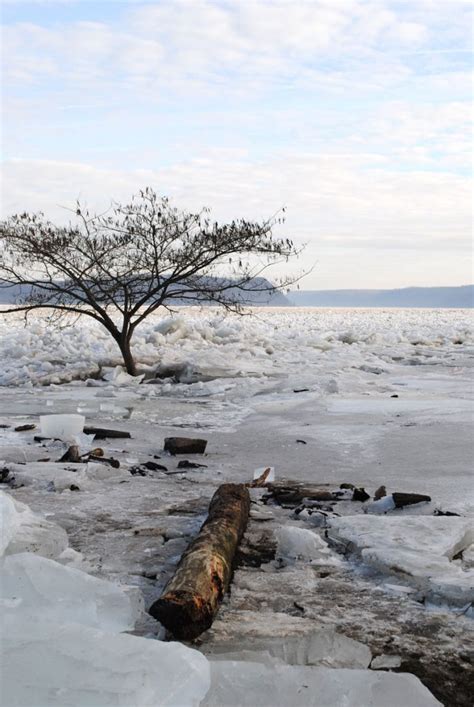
[(283, 685), (421, 548)]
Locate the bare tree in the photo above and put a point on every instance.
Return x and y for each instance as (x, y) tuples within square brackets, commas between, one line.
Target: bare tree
[(121, 266)]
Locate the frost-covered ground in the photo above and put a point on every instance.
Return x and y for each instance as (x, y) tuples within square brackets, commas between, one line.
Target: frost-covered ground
[(404, 585)]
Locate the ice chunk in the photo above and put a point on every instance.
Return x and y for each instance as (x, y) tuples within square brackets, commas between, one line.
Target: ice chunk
[(62, 426), (420, 547), (386, 662), (279, 686), (25, 531), (383, 505), (118, 376), (468, 556), (49, 665), (325, 647), (301, 544), (64, 594)]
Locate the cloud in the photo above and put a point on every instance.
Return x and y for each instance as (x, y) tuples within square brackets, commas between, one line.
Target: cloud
[(353, 113)]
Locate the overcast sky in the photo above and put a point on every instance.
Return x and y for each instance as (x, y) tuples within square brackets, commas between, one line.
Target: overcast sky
[(354, 114)]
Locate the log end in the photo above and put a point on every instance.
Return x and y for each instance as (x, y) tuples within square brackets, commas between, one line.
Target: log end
[(183, 614)]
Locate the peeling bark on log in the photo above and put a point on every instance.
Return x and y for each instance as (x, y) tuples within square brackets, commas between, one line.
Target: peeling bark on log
[(192, 597)]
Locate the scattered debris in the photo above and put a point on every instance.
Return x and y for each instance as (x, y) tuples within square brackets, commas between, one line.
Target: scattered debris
[(105, 460), (262, 479), (97, 452), (380, 493), (74, 487), (186, 464), (4, 475), (72, 455), (153, 466), (103, 433), (300, 390), (395, 395), (184, 445), (293, 493), (360, 494), (439, 512), (138, 471), (408, 499), (25, 428), (301, 441)]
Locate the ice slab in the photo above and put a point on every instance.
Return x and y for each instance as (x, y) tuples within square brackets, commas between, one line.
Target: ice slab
[(25, 531), (419, 547), (325, 647), (386, 662), (34, 584), (118, 376), (300, 544), (51, 665), (234, 684), (61, 426)]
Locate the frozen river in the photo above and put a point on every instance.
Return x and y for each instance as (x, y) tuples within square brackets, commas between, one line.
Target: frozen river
[(386, 395), (367, 397)]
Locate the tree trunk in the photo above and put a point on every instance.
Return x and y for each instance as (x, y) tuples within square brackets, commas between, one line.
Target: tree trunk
[(130, 367), (191, 598)]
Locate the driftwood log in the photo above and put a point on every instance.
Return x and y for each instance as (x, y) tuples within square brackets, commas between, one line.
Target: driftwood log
[(191, 598)]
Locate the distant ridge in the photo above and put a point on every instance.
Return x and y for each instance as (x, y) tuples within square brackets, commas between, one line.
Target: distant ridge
[(429, 297), (259, 293)]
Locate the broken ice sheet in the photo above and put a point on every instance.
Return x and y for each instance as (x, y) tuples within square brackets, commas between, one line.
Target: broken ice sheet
[(23, 530), (421, 548), (63, 594), (301, 544), (47, 664), (324, 647), (298, 686)]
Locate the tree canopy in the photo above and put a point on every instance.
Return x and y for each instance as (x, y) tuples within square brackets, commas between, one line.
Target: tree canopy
[(120, 266)]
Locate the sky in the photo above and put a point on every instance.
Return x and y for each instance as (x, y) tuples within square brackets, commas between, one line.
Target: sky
[(355, 115)]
